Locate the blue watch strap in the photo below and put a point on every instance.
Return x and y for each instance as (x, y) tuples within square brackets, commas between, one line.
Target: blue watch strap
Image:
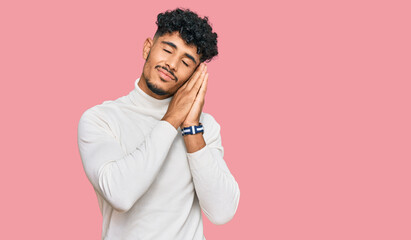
[(192, 130)]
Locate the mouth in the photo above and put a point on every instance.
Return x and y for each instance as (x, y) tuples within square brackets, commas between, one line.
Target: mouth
[(165, 75)]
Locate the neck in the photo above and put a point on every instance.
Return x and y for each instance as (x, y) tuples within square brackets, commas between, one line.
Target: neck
[(148, 104)]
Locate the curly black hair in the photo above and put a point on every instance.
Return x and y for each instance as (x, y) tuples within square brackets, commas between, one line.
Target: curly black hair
[(193, 30)]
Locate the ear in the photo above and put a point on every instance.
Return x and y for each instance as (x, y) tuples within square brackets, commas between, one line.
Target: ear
[(148, 43)]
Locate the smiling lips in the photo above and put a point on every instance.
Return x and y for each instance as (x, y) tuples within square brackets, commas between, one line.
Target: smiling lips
[(164, 74)]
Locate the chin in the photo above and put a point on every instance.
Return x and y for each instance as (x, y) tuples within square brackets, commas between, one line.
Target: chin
[(156, 88)]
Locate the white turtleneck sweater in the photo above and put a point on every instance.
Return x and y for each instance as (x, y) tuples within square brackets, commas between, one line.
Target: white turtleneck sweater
[(147, 185)]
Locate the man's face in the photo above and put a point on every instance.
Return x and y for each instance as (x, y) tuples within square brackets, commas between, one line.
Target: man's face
[(169, 64)]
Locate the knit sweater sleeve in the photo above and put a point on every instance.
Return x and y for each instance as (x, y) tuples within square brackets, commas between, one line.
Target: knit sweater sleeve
[(215, 186), (119, 177)]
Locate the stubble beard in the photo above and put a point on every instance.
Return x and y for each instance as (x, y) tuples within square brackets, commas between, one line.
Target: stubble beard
[(154, 88)]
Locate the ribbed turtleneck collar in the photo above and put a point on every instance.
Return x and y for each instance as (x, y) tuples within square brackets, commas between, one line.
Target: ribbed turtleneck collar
[(143, 100)]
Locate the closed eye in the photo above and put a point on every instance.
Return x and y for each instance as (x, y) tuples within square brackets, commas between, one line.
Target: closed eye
[(185, 63), (166, 50)]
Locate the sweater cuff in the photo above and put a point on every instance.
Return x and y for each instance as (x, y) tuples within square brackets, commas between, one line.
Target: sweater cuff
[(200, 159), (167, 128)]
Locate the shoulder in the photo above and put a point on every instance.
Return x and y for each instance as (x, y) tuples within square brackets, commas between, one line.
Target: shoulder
[(106, 109), (102, 116), (93, 121), (97, 112)]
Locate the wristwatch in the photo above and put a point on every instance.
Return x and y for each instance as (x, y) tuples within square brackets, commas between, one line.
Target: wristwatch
[(192, 130)]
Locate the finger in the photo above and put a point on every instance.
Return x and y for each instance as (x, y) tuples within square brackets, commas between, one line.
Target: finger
[(203, 89), (191, 79), (199, 100), (199, 81), (183, 86), (195, 77)]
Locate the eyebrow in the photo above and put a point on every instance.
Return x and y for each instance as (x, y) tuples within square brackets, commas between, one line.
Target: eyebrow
[(175, 47)]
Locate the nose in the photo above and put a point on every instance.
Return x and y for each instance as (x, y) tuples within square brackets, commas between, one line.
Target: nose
[(172, 63)]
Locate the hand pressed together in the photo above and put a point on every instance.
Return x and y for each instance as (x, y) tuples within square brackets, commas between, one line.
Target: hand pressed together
[(185, 108)]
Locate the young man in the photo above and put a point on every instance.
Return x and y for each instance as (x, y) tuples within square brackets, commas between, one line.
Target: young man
[(152, 182)]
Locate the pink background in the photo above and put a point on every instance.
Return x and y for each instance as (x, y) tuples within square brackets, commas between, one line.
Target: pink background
[(313, 98)]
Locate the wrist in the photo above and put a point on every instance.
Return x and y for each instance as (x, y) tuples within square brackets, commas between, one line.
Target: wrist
[(189, 124), (192, 130), (172, 121)]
